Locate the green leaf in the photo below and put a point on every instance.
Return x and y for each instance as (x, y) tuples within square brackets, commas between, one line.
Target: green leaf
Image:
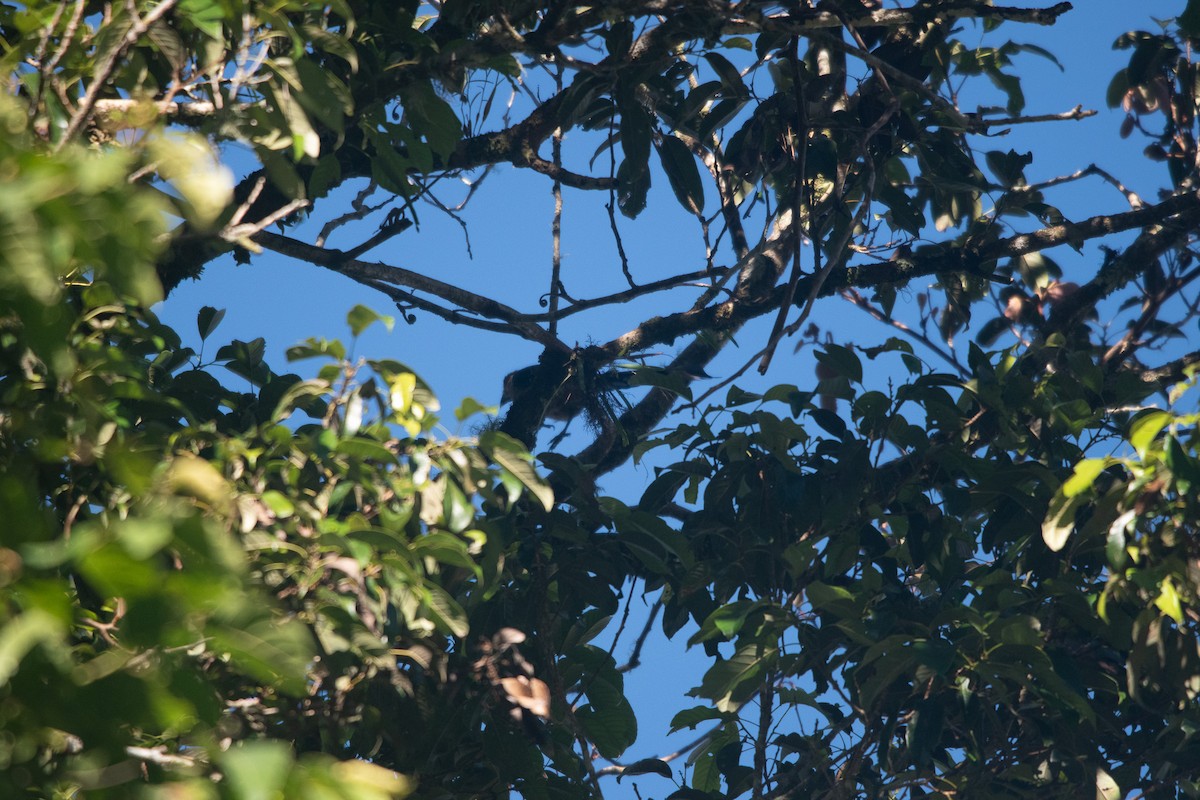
[(682, 173), (831, 598), (168, 43), (842, 361), (1145, 428), (257, 770), (432, 117), (332, 43), (1189, 20), (633, 185), (360, 318), (691, 717), (692, 794), (21, 635), (925, 730), (1168, 600), (513, 458), (1119, 85), (446, 613), (733, 681), (469, 407), (608, 718), (1060, 520), (313, 348), (646, 766), (207, 320), (457, 511), (269, 650), (323, 95), (366, 449), (1084, 475), (731, 79), (1008, 167), (1106, 787), (726, 620)]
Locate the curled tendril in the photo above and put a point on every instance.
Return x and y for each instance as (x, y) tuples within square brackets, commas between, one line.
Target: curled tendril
[(561, 291), (406, 313)]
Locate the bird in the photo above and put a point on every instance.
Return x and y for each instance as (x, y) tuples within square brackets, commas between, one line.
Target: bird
[(576, 393)]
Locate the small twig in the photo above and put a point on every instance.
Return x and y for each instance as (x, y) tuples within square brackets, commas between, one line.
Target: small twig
[(838, 255), (40, 51), (766, 697), (839, 252), (800, 164), (556, 221), (624, 619), (1076, 113), (239, 233), (46, 70), (852, 296), (686, 279), (635, 655), (617, 769), (568, 178), (1152, 305), (382, 235), (159, 756), (429, 197), (1135, 201), (964, 121), (358, 210), (611, 207), (255, 191)]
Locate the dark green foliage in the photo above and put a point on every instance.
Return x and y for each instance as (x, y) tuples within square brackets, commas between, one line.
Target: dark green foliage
[(222, 580)]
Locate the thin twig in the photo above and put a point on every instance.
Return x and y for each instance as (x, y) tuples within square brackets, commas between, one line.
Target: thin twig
[(358, 210), (255, 191), (556, 221), (635, 655), (674, 282), (47, 70), (852, 296), (617, 769), (239, 233), (159, 756), (800, 164), (611, 207), (1076, 113)]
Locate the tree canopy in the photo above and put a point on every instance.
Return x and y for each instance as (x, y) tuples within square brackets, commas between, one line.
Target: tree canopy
[(963, 562)]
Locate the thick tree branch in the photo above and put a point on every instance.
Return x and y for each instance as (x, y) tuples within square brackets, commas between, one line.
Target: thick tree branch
[(793, 24), (721, 321), (1174, 371), (118, 114), (1123, 267)]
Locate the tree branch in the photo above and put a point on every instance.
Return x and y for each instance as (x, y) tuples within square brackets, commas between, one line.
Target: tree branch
[(791, 24), (372, 271), (1171, 372), (721, 321)]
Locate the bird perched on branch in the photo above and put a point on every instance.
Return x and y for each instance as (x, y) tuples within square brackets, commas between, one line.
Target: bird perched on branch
[(576, 393), (583, 381)]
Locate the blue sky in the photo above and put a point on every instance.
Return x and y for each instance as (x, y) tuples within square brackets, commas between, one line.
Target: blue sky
[(509, 220)]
